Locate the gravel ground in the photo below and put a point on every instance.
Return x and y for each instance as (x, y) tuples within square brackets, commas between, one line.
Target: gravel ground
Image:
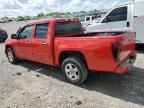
[(34, 85)]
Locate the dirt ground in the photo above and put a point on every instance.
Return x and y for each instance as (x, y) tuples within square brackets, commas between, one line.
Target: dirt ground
[(34, 85)]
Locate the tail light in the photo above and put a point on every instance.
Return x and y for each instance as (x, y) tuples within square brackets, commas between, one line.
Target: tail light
[(116, 49)]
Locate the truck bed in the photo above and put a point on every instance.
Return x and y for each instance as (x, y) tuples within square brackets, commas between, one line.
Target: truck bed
[(91, 34)]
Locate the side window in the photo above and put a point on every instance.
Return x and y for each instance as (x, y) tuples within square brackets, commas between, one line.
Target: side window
[(93, 17), (87, 18), (118, 14), (41, 30), (25, 33), (67, 27)]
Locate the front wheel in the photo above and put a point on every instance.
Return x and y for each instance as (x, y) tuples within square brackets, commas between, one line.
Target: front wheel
[(11, 56), (75, 70)]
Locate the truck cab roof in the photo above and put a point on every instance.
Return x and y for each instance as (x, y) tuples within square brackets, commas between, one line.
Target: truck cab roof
[(55, 20)]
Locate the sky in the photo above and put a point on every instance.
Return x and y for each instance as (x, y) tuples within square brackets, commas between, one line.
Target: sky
[(14, 8)]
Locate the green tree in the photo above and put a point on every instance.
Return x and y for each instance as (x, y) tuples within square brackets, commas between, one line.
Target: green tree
[(40, 15)]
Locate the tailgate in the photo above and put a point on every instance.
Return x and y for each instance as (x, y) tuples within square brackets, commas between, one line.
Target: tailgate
[(127, 44), (128, 41)]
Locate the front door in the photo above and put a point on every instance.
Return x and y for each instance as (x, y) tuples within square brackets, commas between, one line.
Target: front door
[(118, 19), (24, 42)]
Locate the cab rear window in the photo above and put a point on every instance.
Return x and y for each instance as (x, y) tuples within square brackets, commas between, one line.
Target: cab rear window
[(67, 27)]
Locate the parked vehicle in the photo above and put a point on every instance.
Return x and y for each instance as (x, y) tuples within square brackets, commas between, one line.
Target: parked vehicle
[(127, 17), (62, 42), (88, 20), (20, 18), (3, 35)]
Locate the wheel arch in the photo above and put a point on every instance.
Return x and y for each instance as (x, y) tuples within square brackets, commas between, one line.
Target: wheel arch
[(65, 54)]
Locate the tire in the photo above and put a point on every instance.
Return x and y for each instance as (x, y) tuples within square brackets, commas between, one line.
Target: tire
[(11, 56), (75, 70)]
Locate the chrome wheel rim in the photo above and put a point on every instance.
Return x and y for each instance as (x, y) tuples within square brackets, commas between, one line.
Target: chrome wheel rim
[(72, 72), (10, 55)]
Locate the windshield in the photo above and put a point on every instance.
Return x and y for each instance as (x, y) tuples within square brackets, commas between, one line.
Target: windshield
[(67, 27), (82, 19)]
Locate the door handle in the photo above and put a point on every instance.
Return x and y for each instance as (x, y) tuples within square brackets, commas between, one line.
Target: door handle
[(128, 24), (27, 41), (44, 43)]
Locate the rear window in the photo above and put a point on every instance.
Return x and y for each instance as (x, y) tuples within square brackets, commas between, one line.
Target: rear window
[(67, 27), (41, 30)]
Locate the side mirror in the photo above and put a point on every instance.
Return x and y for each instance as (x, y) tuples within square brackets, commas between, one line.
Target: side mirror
[(14, 36), (106, 20)]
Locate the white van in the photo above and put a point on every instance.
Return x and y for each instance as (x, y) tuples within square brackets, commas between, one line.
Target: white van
[(127, 17)]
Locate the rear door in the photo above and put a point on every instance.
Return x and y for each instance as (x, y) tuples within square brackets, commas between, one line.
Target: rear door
[(118, 19), (40, 45)]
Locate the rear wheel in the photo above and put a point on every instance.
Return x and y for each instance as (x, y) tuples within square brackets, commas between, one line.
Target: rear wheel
[(11, 56), (75, 70)]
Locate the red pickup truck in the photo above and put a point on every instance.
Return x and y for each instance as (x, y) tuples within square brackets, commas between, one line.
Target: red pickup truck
[(62, 42)]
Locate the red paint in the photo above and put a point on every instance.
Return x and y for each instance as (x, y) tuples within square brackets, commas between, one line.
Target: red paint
[(97, 50)]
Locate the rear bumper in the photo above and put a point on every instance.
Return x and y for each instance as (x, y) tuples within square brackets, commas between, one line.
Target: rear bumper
[(126, 64)]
